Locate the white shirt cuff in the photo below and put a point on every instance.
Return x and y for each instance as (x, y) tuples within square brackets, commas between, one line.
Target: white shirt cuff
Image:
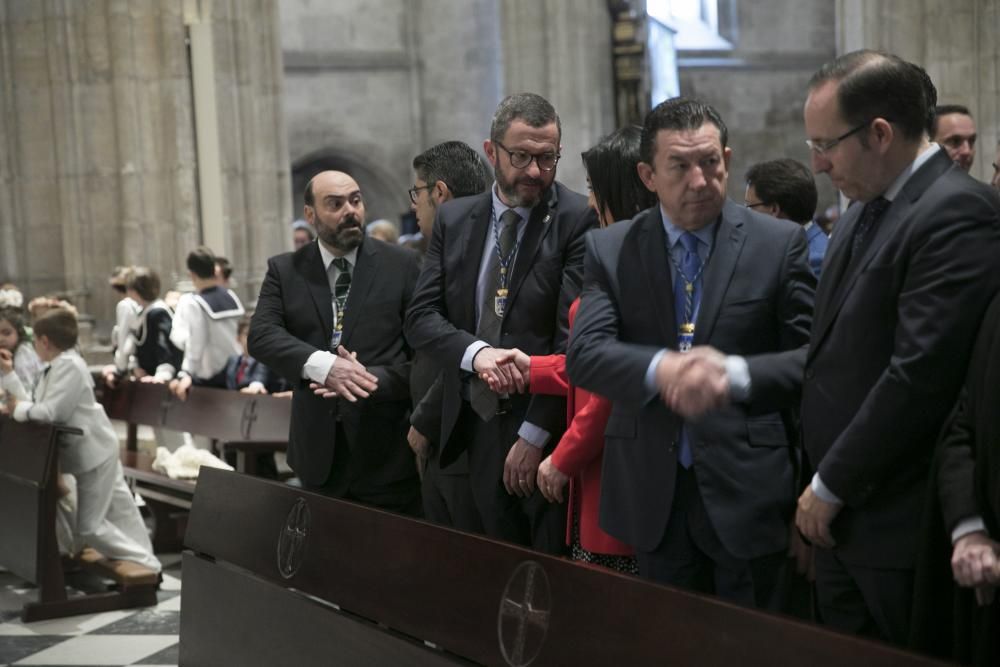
[(260, 385), (823, 493), (535, 436), (470, 354), (651, 371), (318, 366), (738, 372), (972, 524)]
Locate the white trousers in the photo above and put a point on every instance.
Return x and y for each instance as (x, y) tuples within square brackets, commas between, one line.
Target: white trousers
[(108, 519)]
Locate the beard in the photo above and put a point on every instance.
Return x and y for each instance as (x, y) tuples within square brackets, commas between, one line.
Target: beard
[(346, 236), (508, 186)]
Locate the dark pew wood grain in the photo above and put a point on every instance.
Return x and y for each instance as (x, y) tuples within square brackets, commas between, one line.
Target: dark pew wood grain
[(470, 597)]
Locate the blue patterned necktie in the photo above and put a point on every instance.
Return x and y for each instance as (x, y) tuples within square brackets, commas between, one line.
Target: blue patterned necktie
[(687, 297)]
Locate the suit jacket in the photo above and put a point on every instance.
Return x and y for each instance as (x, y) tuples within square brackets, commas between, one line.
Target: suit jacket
[(818, 241), (255, 372), (579, 452), (547, 276), (889, 347), (757, 302), (294, 318), (65, 395)]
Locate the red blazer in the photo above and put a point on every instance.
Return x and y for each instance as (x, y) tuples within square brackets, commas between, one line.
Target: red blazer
[(579, 453)]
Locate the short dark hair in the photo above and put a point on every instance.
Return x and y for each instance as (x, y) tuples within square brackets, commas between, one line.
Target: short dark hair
[(611, 167), (678, 114), (16, 318), (144, 282), (201, 262), (224, 265), (456, 164), (787, 183), (944, 110), (875, 84), (307, 195), (533, 109), (119, 278), (59, 325)]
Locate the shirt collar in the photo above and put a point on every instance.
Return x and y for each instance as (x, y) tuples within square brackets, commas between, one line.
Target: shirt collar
[(499, 207), (706, 234), (893, 190), (328, 257)]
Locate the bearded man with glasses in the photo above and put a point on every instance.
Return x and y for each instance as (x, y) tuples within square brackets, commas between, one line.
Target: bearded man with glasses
[(501, 271)]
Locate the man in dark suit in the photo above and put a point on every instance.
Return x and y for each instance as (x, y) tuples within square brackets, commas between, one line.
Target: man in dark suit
[(329, 319), (706, 501), (501, 271), (907, 277), (441, 173)]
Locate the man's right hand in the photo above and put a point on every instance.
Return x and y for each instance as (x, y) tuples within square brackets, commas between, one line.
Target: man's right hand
[(494, 368), (516, 358), (348, 379), (418, 442)]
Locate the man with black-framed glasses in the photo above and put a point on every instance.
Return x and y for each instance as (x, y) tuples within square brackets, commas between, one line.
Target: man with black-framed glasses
[(500, 272), (907, 277)]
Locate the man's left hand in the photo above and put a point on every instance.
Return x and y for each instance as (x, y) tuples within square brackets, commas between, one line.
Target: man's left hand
[(181, 387), (520, 468), (813, 518)]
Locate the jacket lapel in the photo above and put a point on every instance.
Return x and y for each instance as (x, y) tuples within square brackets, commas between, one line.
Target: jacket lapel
[(834, 292), (652, 239), (362, 278), (729, 240), (537, 228), (314, 273)]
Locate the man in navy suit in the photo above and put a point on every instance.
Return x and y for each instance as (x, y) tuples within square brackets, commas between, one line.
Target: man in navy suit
[(786, 189), (699, 469)]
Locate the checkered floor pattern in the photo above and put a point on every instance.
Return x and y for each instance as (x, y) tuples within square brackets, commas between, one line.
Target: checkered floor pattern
[(139, 637)]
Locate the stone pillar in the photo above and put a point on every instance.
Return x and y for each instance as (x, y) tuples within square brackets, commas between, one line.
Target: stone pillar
[(561, 49), (954, 40), (97, 136)]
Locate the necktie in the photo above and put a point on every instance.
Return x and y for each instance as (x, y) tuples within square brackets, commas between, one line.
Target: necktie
[(687, 297), (241, 372), (869, 218), (484, 401), (341, 289)]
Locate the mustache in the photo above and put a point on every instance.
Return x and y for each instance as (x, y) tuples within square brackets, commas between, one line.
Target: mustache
[(349, 222)]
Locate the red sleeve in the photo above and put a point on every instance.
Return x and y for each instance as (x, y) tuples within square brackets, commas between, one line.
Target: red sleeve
[(548, 375), (584, 439)]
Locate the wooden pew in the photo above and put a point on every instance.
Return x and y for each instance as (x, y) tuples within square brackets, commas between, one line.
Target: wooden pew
[(277, 575), (28, 497)]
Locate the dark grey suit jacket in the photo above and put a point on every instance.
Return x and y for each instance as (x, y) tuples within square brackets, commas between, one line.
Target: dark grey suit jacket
[(294, 318), (547, 276), (757, 302), (889, 348)]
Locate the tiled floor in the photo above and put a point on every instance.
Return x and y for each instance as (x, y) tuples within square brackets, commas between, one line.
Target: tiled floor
[(141, 637)]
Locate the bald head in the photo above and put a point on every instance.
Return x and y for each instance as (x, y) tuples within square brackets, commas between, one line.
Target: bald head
[(336, 210)]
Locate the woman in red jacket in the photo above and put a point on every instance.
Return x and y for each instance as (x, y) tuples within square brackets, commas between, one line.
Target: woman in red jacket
[(616, 193)]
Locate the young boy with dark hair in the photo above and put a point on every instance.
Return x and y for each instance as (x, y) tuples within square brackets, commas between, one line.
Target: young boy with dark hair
[(107, 517)]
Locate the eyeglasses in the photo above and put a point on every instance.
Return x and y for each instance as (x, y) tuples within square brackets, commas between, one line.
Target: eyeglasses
[(821, 147), (754, 204), (521, 159), (415, 189)]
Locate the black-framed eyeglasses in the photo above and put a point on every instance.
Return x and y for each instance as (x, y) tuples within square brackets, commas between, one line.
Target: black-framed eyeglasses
[(521, 159), (821, 147), (415, 189), (754, 204)]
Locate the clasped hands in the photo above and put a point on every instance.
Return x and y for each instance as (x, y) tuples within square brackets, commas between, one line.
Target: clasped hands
[(694, 382), (975, 563), (348, 378)]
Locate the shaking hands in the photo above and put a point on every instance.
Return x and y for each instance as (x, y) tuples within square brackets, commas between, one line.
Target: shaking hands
[(504, 371), (693, 383)]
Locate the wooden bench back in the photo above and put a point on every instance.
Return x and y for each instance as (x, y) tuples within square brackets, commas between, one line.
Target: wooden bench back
[(220, 414), (481, 600), (28, 495)]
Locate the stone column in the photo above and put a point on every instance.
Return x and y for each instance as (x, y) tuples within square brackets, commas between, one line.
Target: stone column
[(954, 40), (561, 49), (97, 137)]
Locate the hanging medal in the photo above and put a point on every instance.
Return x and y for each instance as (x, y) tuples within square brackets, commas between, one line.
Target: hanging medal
[(685, 330), (338, 330), (500, 299)]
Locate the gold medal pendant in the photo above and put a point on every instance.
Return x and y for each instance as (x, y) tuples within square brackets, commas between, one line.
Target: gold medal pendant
[(500, 302), (685, 337)]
